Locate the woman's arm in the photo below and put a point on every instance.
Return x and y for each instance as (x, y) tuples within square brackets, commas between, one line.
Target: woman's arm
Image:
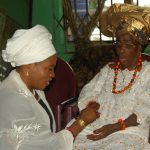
[(91, 90), (87, 115), (111, 128)]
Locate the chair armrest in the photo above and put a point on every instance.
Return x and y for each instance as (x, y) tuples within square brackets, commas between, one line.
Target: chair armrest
[(68, 101), (66, 111)]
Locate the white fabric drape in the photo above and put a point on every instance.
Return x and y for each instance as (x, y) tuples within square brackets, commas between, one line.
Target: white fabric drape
[(24, 124), (114, 106), (25, 44)]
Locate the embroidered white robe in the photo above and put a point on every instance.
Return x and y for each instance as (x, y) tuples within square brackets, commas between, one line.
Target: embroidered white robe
[(24, 124), (114, 106)]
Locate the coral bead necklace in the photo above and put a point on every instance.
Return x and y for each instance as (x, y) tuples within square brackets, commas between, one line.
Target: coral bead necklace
[(117, 67)]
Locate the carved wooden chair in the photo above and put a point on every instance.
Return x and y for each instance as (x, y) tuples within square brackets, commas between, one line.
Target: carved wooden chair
[(61, 94)]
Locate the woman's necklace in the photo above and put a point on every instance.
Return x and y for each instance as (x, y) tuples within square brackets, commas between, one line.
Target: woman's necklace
[(117, 67)]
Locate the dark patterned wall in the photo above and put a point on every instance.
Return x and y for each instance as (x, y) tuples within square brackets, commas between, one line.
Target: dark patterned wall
[(7, 28), (87, 62)]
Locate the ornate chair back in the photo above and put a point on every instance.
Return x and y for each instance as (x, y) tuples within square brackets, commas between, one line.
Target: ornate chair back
[(63, 88)]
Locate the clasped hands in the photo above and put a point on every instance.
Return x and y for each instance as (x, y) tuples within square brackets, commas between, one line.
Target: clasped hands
[(90, 114)]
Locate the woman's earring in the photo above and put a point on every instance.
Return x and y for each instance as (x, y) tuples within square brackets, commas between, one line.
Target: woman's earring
[(27, 74)]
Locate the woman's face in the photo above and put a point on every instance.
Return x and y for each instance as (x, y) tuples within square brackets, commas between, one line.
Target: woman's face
[(127, 50), (42, 73)]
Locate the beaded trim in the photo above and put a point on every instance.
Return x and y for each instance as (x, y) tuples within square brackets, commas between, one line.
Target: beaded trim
[(116, 68)]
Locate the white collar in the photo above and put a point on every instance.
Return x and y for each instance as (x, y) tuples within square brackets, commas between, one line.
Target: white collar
[(21, 86)]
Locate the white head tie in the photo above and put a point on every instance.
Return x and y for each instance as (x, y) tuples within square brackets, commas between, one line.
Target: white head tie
[(29, 46)]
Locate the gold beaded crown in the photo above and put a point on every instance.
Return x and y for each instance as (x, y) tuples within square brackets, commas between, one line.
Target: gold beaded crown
[(128, 18)]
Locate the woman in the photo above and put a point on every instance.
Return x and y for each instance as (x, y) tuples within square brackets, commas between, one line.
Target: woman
[(122, 88), (27, 122)]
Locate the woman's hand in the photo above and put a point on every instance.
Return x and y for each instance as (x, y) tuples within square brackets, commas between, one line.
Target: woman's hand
[(87, 115), (111, 128), (93, 104), (90, 113), (103, 132)]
